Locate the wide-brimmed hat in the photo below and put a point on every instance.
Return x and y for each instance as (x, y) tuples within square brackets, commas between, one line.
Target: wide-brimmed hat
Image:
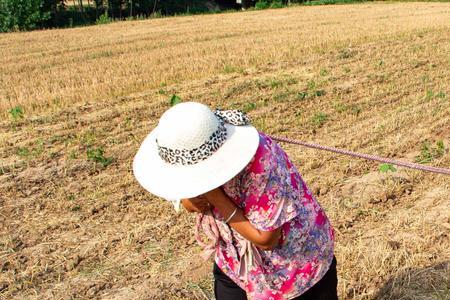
[(194, 150)]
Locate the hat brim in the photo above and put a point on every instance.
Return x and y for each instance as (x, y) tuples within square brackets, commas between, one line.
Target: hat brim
[(186, 181)]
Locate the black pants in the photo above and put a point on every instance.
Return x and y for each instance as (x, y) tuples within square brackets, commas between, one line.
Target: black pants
[(325, 289)]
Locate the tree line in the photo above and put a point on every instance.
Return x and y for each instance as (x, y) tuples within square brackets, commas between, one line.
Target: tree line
[(18, 15)]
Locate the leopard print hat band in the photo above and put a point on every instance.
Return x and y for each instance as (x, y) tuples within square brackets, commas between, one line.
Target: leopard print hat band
[(234, 117), (215, 141)]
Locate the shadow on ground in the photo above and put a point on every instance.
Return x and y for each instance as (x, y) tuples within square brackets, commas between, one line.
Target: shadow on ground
[(431, 282)]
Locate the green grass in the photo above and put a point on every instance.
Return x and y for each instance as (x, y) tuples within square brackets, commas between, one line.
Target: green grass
[(88, 138), (354, 109), (97, 155), (174, 100), (282, 96), (31, 151), (228, 69), (384, 168), (319, 119), (16, 113), (329, 2), (103, 19), (311, 90), (249, 107), (429, 153)]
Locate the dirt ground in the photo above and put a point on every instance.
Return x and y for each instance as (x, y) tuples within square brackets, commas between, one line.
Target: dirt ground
[(74, 223)]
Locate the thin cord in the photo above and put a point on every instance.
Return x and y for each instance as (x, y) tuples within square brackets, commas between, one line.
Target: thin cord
[(365, 156)]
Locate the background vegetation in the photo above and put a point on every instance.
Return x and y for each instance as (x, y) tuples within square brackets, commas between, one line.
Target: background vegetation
[(31, 14)]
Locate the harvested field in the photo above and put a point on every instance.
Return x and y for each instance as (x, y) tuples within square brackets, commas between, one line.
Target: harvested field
[(373, 78)]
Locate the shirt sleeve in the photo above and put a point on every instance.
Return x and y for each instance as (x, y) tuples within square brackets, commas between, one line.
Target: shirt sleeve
[(269, 188)]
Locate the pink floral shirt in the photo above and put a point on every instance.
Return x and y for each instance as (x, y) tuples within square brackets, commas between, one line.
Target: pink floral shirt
[(272, 194)]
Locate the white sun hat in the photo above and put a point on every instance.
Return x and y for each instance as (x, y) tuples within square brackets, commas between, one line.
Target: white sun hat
[(194, 150)]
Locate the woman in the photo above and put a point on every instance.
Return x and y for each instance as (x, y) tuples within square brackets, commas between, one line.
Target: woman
[(270, 237)]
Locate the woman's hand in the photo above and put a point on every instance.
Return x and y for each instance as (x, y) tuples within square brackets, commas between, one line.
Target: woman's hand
[(265, 240), (197, 204)]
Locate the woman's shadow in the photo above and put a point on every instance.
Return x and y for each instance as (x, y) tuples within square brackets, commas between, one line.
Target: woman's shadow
[(428, 283)]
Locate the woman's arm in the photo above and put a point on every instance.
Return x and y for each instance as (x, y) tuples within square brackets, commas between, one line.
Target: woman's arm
[(266, 240)]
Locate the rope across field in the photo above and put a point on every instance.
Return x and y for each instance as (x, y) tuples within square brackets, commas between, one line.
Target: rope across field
[(365, 156)]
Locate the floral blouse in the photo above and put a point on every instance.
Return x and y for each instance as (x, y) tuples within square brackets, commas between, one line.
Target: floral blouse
[(272, 194)]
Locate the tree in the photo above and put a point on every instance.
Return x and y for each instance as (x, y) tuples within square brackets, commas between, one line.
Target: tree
[(22, 14), (57, 9), (30, 14), (99, 6), (247, 3)]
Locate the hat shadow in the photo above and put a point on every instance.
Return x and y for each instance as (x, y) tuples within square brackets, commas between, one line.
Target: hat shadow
[(426, 283)]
